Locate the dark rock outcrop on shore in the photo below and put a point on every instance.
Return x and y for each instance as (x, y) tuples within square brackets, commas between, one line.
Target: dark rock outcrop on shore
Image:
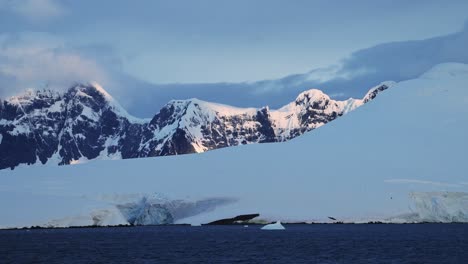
[(240, 219)]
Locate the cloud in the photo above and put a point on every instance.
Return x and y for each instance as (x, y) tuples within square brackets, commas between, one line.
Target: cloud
[(408, 59), (413, 181), (398, 61), (32, 60), (362, 70), (34, 10)]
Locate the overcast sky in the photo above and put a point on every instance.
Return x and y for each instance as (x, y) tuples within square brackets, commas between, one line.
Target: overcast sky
[(206, 41)]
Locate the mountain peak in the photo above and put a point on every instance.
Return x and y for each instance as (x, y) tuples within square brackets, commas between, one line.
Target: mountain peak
[(91, 89), (30, 94), (94, 91), (312, 95), (372, 93), (101, 90)]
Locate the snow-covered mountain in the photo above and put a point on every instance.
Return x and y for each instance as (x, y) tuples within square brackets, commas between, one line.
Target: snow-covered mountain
[(400, 158), (86, 123)]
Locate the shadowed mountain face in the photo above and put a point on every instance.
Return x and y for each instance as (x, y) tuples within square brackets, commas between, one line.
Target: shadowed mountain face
[(86, 123)]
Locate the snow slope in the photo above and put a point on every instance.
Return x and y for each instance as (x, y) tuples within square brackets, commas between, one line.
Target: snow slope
[(364, 166)]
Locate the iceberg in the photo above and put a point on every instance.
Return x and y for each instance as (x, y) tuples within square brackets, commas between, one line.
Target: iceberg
[(275, 226)]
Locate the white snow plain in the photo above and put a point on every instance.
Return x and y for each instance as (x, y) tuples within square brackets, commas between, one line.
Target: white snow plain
[(417, 131)]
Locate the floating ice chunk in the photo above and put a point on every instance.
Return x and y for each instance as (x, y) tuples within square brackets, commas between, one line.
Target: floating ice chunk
[(275, 226)]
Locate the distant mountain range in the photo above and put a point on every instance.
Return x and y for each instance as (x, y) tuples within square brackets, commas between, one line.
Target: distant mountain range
[(86, 123)]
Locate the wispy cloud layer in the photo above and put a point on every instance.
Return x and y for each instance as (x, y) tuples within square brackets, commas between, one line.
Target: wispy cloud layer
[(35, 10), (395, 61), (413, 181), (34, 60)]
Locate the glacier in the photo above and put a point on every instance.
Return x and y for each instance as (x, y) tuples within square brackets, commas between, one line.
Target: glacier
[(441, 206), (415, 131)]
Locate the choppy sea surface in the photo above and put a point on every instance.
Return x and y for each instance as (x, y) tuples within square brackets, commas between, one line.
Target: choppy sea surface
[(319, 243)]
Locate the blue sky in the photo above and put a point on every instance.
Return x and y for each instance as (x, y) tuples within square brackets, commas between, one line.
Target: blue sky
[(139, 45)]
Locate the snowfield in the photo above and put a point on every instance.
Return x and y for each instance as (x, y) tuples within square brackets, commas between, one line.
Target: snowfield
[(401, 157)]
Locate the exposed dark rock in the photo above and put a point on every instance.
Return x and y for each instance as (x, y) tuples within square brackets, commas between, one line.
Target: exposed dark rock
[(240, 219)]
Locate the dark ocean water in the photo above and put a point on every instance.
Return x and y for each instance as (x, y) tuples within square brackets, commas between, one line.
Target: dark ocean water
[(425, 243)]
